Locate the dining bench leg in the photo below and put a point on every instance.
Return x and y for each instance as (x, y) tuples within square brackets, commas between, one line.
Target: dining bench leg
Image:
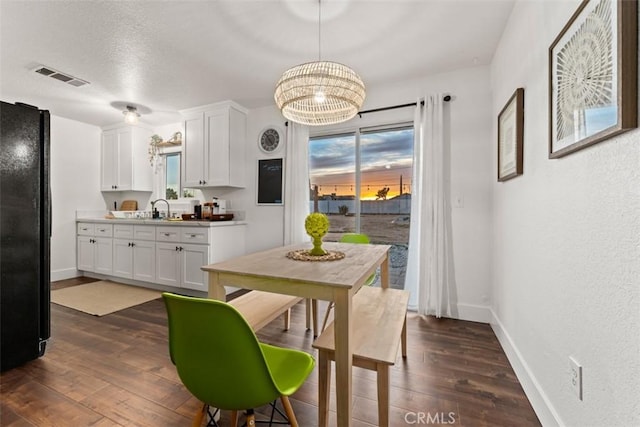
[(383, 394), (324, 385)]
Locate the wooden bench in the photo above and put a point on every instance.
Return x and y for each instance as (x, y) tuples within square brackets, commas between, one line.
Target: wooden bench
[(379, 325), (261, 308)]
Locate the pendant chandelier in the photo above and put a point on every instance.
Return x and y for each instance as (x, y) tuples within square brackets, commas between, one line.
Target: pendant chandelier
[(321, 92)]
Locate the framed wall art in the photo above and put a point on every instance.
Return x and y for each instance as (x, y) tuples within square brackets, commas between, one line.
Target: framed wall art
[(270, 182), (510, 137), (593, 76)]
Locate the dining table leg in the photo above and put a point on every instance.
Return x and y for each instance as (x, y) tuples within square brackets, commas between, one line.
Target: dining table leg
[(343, 354), (384, 272), (216, 290)]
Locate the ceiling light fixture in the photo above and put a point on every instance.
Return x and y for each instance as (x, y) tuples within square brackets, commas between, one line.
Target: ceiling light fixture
[(131, 115), (321, 92)]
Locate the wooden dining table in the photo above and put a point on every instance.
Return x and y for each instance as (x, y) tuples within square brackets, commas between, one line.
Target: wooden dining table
[(336, 281)]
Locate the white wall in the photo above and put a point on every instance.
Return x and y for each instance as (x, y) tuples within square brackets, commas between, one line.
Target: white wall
[(75, 184), (566, 254)]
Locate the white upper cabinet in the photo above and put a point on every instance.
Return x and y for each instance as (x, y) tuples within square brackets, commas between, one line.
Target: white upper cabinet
[(125, 164), (213, 146)]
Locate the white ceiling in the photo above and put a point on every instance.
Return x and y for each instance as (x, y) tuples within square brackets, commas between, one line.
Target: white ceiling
[(170, 55)]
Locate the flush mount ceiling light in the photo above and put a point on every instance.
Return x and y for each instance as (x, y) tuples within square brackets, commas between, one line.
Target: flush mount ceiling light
[(321, 92), (131, 115)]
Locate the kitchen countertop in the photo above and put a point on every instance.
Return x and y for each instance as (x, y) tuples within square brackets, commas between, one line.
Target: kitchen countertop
[(162, 222)]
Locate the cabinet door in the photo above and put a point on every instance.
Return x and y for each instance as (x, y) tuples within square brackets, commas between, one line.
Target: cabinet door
[(193, 149), (103, 260), (168, 263), (86, 253), (108, 160), (124, 161), (122, 258), (144, 261), (217, 147), (193, 258)]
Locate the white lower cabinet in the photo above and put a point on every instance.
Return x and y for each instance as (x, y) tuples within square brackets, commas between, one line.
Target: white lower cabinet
[(95, 249), (168, 264), (134, 258), (166, 255), (193, 257), (179, 265)]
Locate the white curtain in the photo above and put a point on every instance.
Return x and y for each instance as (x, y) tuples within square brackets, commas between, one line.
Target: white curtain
[(429, 275), (296, 183)]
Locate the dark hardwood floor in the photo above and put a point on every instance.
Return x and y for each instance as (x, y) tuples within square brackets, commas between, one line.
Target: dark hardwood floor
[(115, 371)]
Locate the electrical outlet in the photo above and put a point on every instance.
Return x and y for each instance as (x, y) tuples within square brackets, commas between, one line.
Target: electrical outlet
[(575, 373)]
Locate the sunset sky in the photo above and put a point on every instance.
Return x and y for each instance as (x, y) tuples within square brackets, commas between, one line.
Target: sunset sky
[(385, 157)]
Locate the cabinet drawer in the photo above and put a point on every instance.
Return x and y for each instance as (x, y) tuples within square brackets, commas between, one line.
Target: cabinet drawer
[(194, 235), (144, 232), (123, 231), (85, 229), (103, 230), (167, 234)]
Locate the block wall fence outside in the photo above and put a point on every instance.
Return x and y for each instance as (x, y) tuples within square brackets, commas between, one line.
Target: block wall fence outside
[(399, 206)]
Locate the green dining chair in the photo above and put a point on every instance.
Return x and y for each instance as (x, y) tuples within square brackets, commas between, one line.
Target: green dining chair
[(349, 238), (221, 362)]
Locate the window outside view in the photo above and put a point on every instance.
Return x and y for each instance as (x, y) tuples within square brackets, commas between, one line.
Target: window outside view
[(173, 185), (172, 177), (370, 195)]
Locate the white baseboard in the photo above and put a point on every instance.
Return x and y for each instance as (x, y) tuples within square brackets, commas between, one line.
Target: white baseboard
[(470, 312), (64, 274), (474, 313), (539, 400)]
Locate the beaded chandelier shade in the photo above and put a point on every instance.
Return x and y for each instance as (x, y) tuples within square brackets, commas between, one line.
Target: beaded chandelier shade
[(319, 93)]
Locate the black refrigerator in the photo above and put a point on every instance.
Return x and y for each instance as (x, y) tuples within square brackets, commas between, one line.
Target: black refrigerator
[(25, 229)]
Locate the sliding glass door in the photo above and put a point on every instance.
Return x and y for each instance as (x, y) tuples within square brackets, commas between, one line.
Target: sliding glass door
[(363, 183)]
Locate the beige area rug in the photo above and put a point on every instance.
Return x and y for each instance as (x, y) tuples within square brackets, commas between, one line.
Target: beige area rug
[(103, 297)]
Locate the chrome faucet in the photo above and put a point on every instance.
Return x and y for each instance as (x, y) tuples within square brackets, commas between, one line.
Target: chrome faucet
[(153, 204)]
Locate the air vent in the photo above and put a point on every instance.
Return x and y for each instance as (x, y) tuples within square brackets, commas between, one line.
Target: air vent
[(63, 77)]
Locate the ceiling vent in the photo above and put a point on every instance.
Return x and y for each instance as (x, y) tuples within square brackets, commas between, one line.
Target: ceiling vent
[(55, 74)]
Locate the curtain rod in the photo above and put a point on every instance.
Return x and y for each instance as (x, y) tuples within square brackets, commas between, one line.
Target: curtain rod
[(446, 98)]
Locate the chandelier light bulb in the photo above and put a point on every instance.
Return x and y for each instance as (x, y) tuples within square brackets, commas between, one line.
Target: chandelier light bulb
[(319, 97), (131, 115)]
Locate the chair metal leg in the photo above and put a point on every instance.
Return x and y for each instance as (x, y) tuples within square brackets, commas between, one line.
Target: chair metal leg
[(314, 315), (197, 420), (289, 411), (403, 338), (326, 316), (307, 303)]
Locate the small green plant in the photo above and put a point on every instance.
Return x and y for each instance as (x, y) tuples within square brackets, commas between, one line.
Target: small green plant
[(172, 194), (317, 225), (343, 209)]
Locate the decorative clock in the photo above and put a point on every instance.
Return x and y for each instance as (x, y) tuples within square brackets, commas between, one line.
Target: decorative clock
[(270, 140)]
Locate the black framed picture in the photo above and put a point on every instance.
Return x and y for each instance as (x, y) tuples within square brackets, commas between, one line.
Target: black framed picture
[(510, 137), (270, 181), (593, 76)]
